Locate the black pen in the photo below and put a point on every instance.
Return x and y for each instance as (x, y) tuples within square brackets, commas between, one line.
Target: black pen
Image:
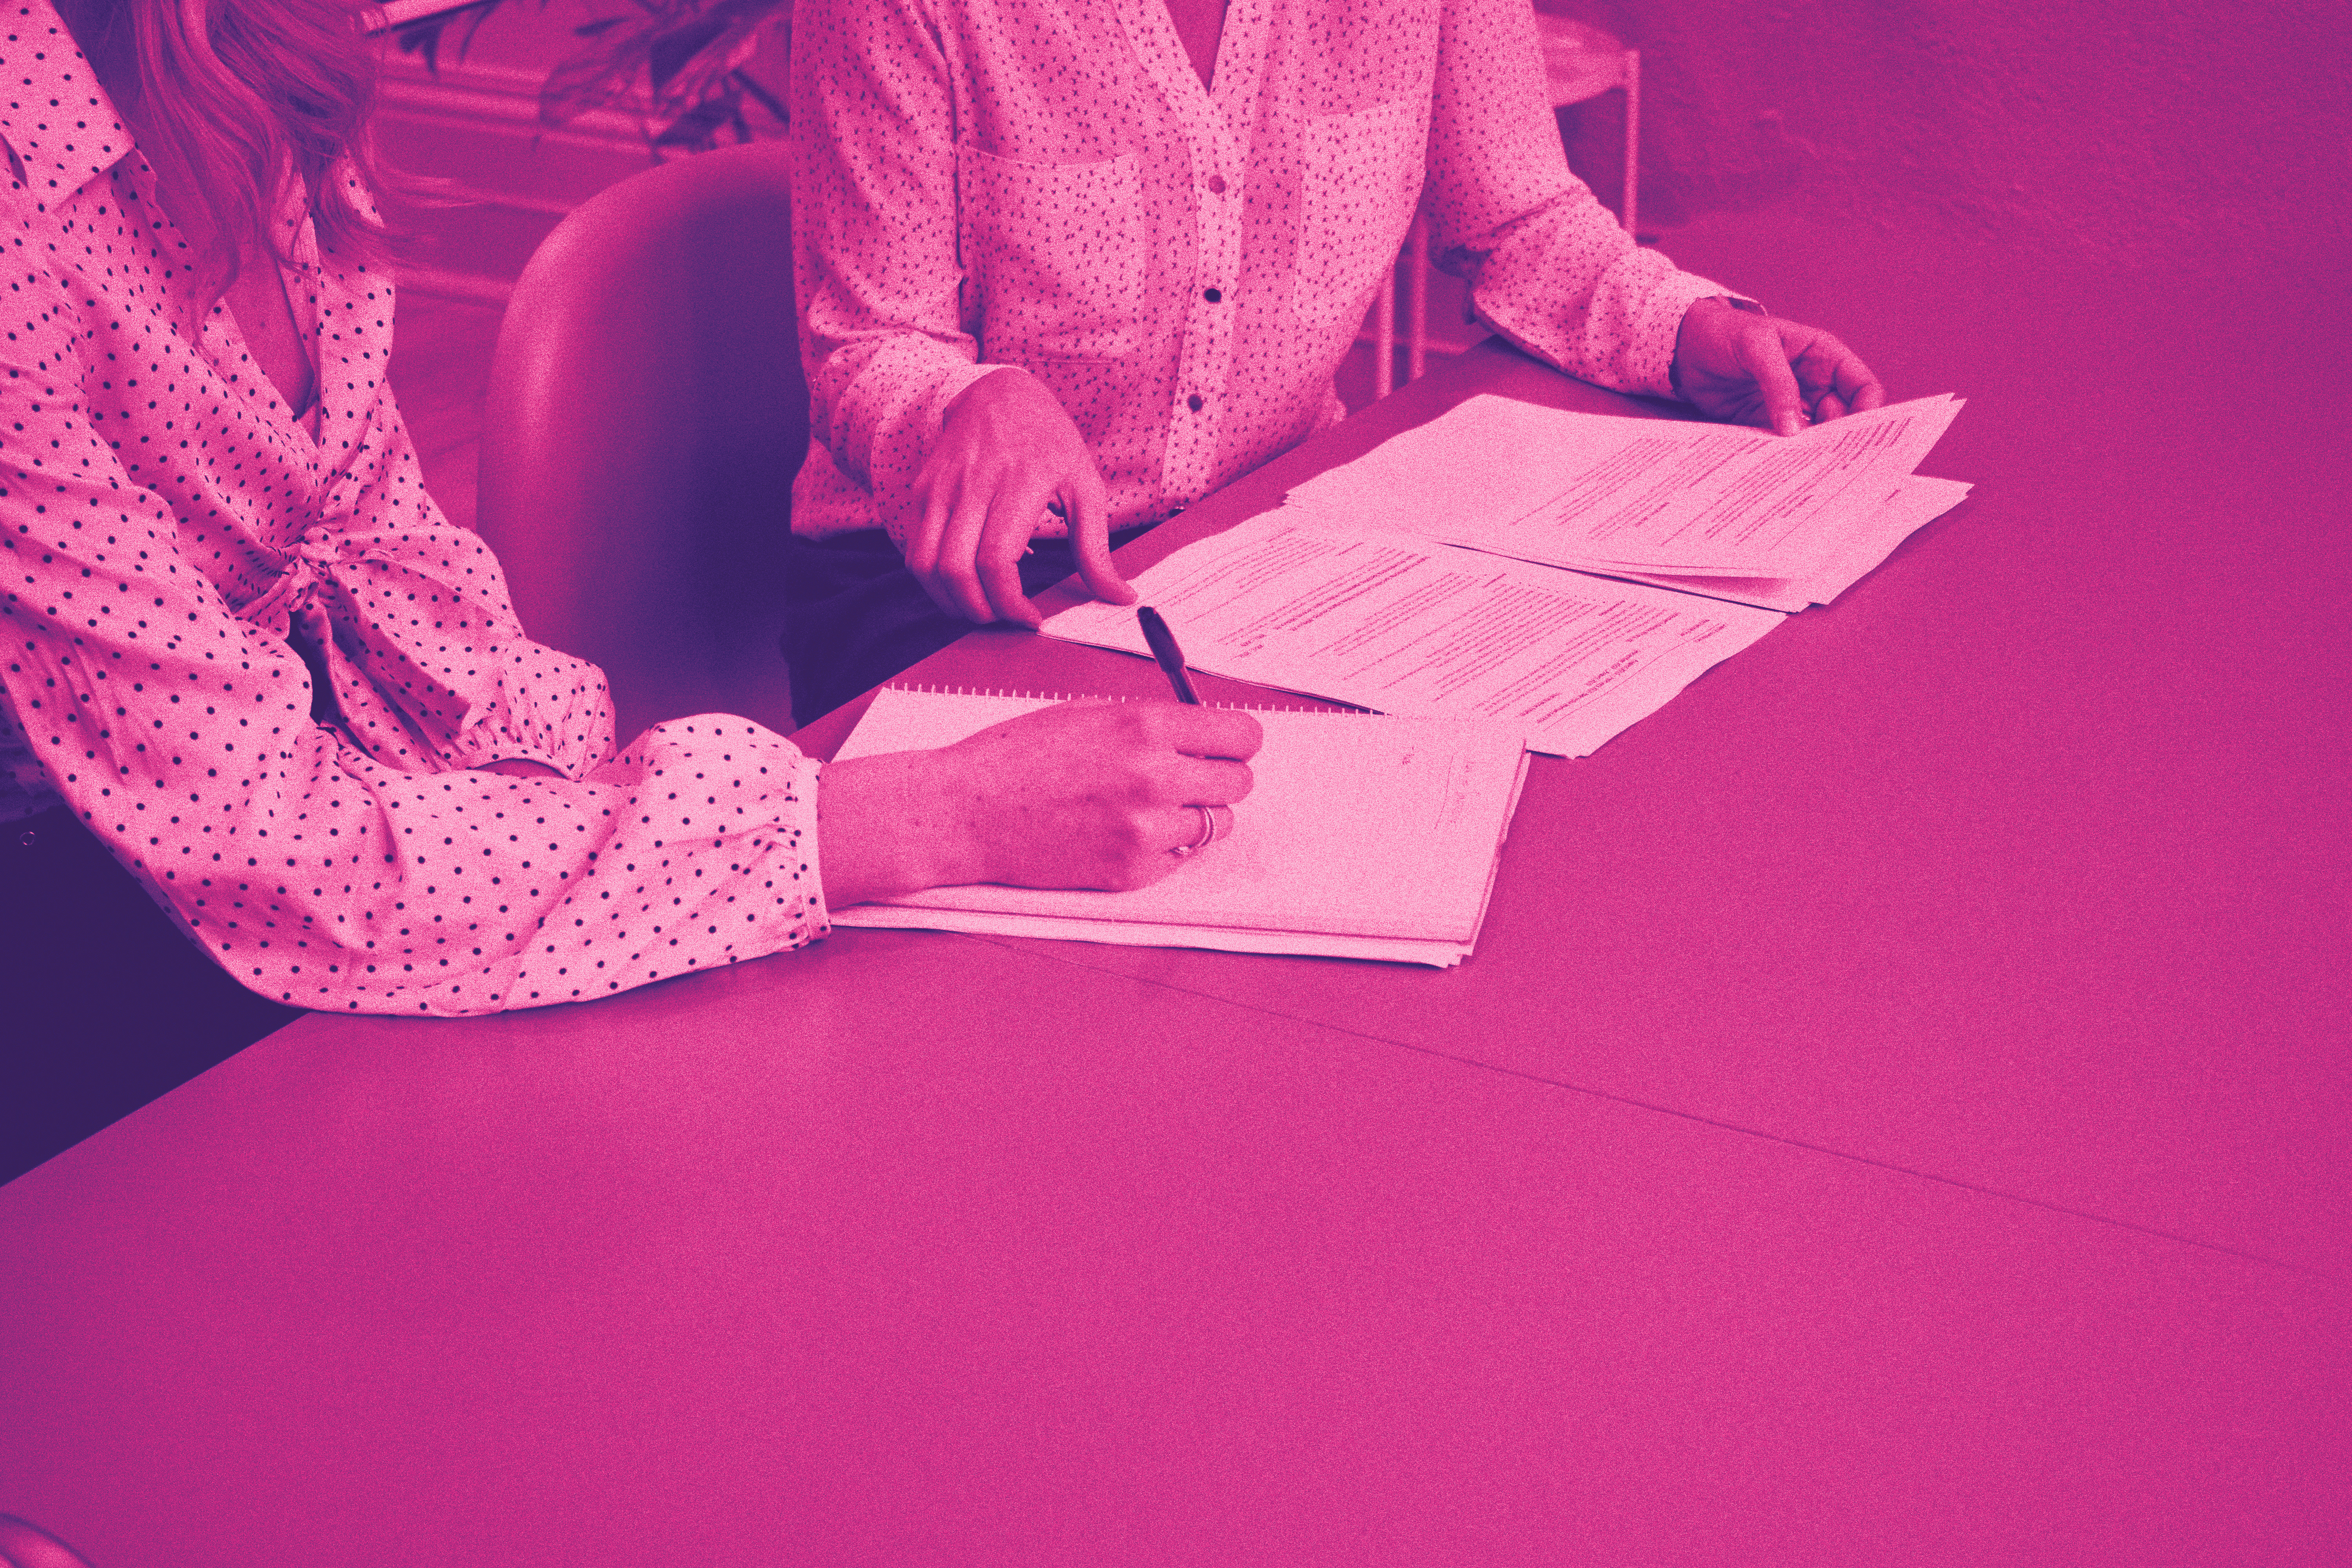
[(1164, 650)]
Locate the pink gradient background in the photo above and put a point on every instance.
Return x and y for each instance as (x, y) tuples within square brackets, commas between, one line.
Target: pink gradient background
[(1898, 1114)]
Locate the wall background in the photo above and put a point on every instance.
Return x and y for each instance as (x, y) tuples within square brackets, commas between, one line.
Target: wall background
[(2092, 130), (1953, 186), (2099, 131)]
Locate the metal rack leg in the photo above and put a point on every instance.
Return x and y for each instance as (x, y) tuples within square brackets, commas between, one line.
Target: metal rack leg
[(1416, 336), (1633, 136)]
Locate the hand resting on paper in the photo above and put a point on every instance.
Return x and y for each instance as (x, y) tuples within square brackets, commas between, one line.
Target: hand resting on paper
[(1751, 369), (1006, 448), (1081, 794)]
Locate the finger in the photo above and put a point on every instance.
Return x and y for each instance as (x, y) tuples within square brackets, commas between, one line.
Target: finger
[(1185, 826), (1858, 387), (1831, 406), (1020, 511), (1202, 781), (958, 572), (1217, 732), (1011, 524), (1828, 365), (1764, 356), (999, 570), (922, 552), (1090, 539)]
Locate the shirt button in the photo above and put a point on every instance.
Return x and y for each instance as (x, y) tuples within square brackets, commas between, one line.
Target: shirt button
[(1194, 402), (1211, 295), (1216, 185)]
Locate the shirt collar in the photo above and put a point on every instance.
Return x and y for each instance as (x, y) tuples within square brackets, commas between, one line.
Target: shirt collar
[(53, 116)]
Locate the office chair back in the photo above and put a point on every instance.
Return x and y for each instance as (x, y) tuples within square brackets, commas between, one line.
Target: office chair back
[(27, 1545), (644, 414)]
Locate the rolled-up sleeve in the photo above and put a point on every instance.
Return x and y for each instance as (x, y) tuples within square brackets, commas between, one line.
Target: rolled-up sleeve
[(1548, 267), (884, 333)]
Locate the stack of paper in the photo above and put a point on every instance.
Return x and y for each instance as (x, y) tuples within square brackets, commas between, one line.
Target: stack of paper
[(1919, 501), (1654, 500), (1362, 837), (1404, 625), (1565, 572)]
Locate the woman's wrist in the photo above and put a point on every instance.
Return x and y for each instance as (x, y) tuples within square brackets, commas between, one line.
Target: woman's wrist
[(887, 825)]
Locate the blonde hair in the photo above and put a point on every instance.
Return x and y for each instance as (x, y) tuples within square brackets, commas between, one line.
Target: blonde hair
[(236, 97)]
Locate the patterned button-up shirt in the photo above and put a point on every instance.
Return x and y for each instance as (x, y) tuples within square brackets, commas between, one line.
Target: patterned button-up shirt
[(1046, 184), (172, 540)]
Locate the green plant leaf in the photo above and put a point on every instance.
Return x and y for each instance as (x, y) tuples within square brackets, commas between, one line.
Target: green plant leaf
[(681, 63), (672, 52)]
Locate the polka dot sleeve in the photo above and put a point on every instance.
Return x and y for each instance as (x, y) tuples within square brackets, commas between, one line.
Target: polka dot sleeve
[(171, 545)]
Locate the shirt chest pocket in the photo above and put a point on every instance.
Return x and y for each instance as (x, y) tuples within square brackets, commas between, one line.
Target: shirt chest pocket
[(1057, 253), (1360, 178)]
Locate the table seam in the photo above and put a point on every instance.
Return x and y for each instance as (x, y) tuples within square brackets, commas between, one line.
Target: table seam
[(1980, 1188)]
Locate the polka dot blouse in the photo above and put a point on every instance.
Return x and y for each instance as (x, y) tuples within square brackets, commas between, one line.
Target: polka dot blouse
[(260, 664), (983, 183)]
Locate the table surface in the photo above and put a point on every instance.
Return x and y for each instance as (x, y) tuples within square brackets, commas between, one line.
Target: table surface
[(1886, 1119)]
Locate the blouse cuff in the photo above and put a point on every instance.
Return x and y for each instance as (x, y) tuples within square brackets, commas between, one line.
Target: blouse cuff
[(801, 816), (895, 402)]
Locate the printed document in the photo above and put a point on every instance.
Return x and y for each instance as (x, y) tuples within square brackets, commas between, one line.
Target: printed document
[(1614, 494), (1919, 502), (1401, 623)]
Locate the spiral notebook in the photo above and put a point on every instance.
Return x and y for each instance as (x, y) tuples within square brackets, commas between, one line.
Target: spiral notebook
[(1364, 836)]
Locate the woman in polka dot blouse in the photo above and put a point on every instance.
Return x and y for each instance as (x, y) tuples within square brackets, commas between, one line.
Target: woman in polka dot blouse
[(1170, 215), (242, 650)]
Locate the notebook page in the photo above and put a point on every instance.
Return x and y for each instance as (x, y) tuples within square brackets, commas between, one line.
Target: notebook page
[(1355, 825), (1138, 933)]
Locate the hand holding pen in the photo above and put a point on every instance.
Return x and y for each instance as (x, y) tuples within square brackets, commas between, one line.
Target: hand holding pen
[(1216, 821)]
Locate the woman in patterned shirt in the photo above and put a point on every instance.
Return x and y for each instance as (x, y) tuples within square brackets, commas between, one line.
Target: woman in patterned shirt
[(1128, 243), (270, 737)]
